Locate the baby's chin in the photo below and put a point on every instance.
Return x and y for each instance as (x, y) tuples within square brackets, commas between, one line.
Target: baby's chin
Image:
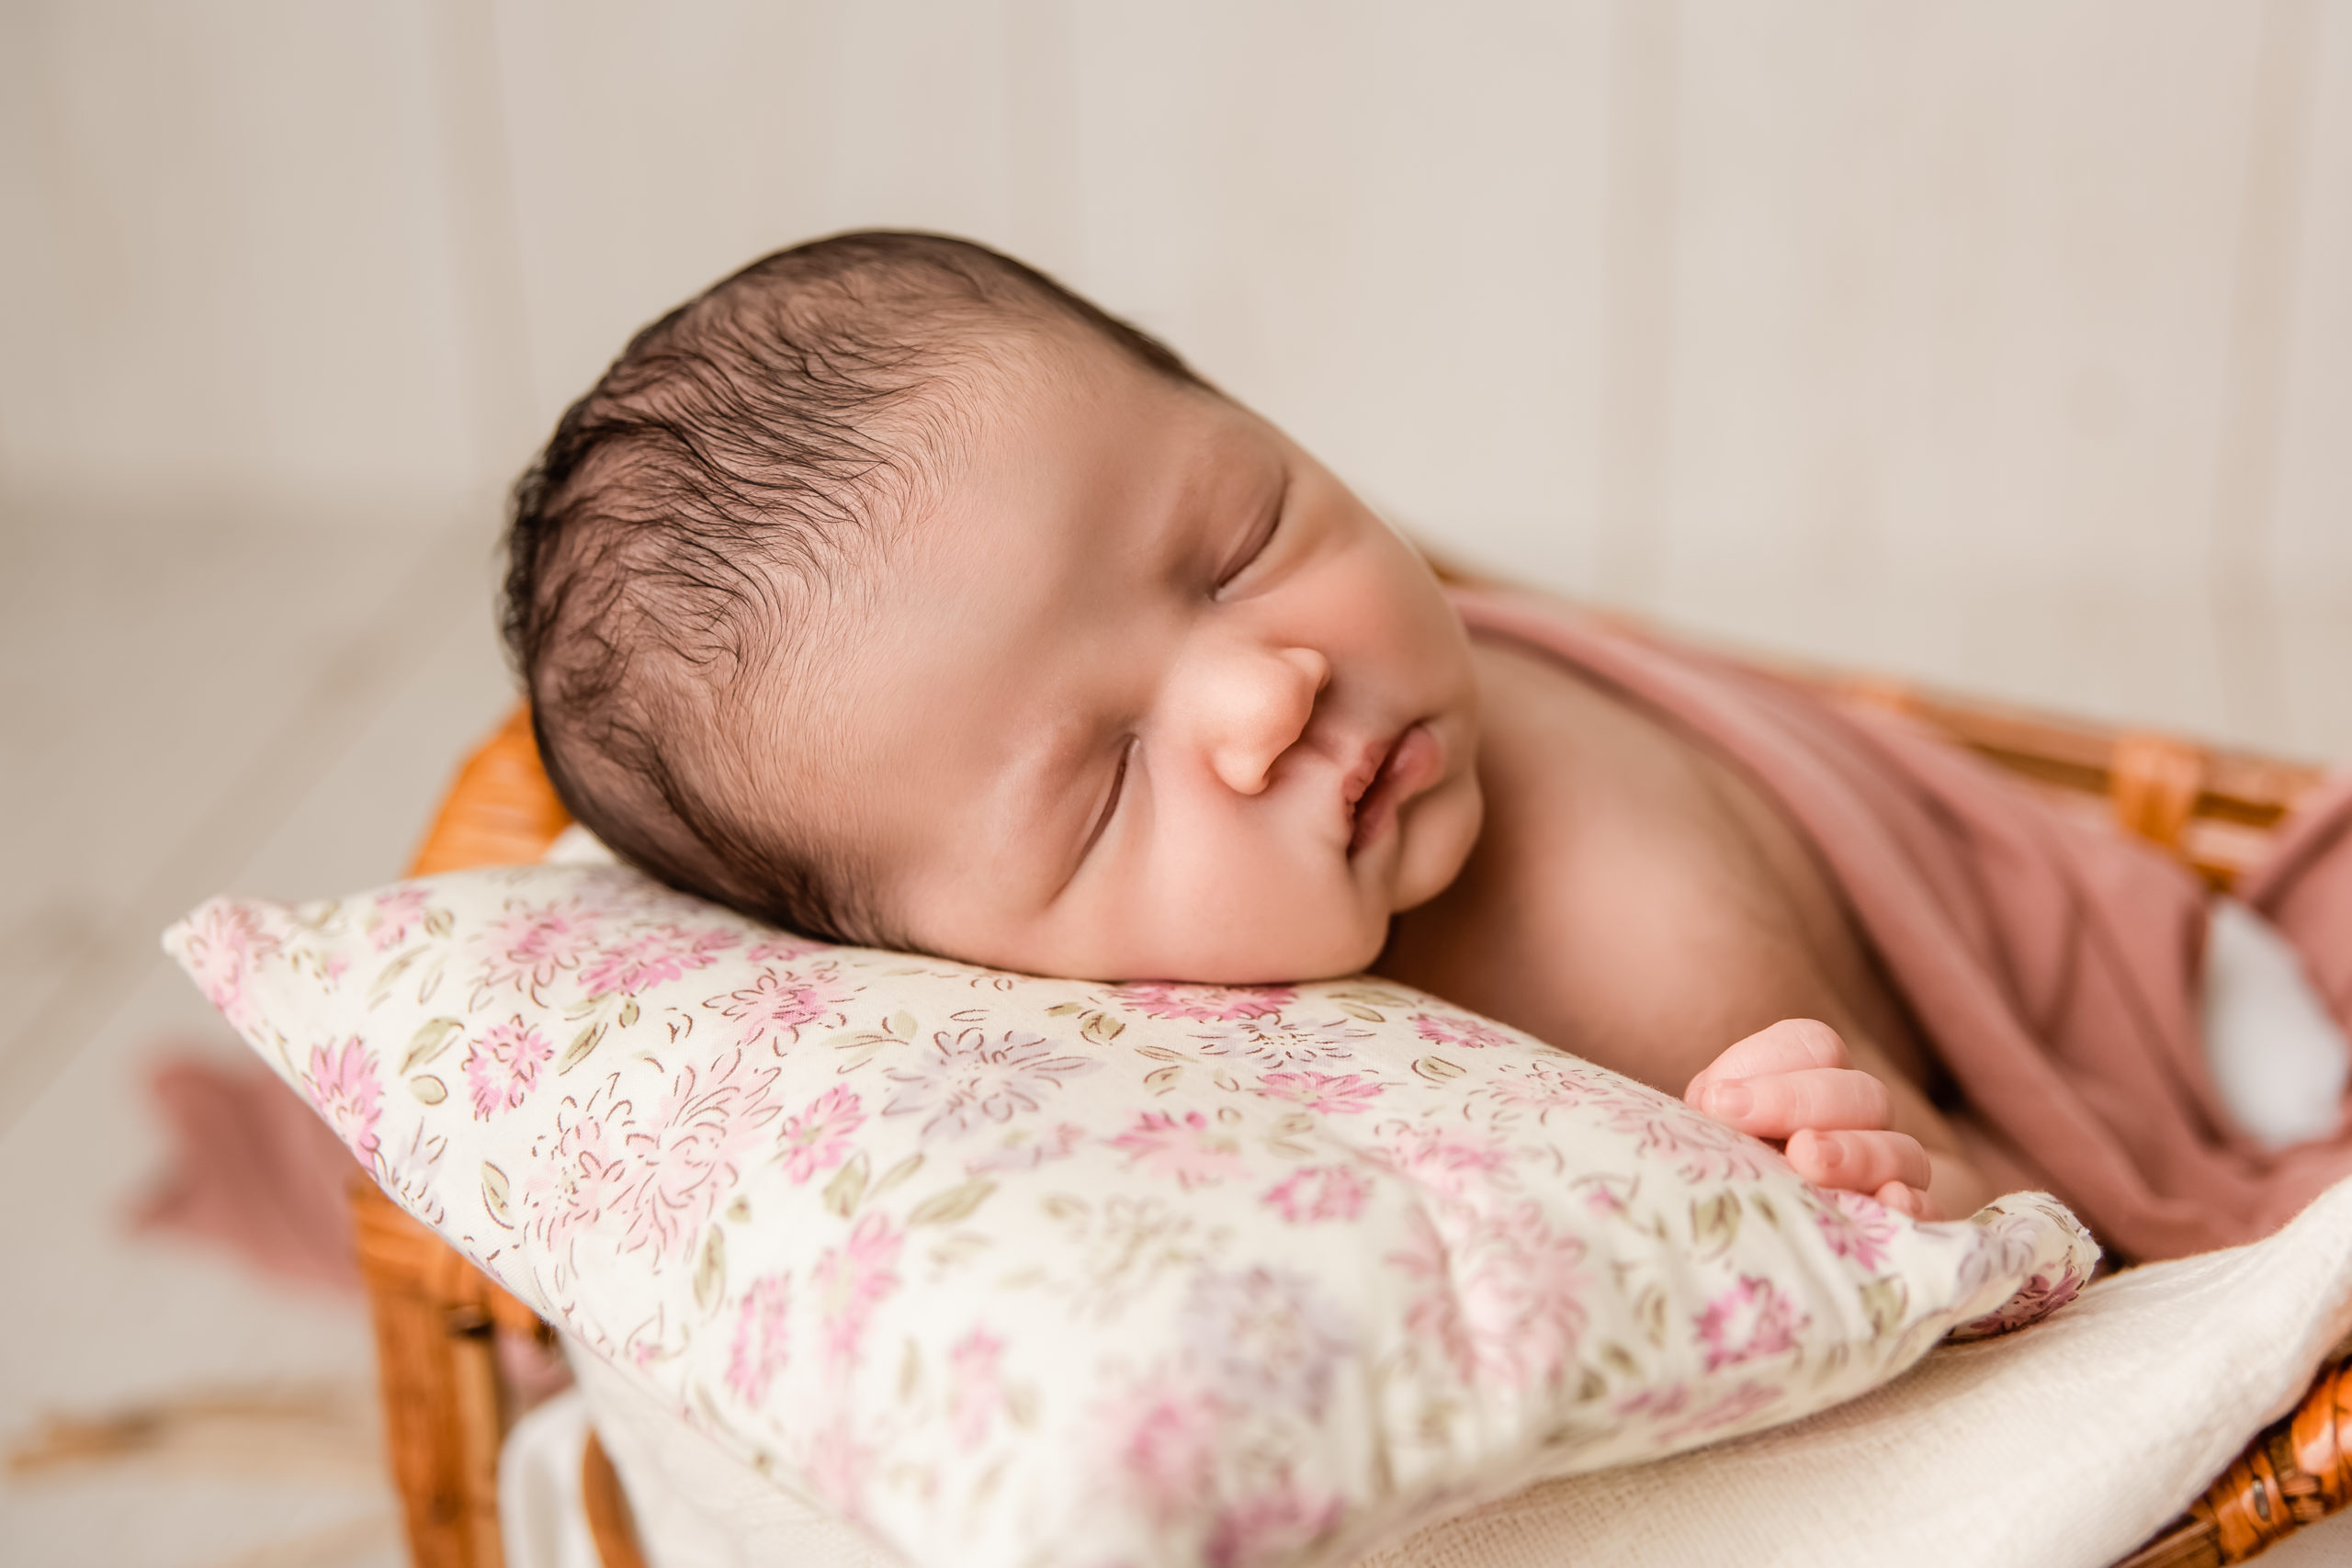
[(1314, 951)]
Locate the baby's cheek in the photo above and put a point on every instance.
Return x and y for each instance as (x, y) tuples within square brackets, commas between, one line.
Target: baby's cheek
[(1439, 834)]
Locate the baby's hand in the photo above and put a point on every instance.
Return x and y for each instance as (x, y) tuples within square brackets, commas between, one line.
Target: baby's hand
[(1795, 1082)]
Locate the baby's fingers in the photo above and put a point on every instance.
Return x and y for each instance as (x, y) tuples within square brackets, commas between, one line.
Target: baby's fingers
[(1777, 1105), (1859, 1162), (1911, 1201), (1791, 1045)]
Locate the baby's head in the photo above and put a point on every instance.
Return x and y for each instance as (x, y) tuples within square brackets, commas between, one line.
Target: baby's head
[(892, 592)]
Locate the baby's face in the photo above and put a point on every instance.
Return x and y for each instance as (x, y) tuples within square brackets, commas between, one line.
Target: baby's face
[(1148, 694)]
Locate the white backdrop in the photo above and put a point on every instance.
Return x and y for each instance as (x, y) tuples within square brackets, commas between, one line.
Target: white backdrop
[(2008, 344)]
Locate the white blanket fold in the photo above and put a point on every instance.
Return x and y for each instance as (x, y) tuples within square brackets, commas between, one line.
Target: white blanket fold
[(2069, 1444)]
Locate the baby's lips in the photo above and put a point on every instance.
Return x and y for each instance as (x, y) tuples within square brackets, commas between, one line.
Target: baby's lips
[(1415, 763)]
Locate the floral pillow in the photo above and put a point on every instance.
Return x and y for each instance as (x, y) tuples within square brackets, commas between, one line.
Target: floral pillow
[(1014, 1270)]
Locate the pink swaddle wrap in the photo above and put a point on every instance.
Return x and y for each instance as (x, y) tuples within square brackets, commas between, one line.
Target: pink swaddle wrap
[(2052, 966)]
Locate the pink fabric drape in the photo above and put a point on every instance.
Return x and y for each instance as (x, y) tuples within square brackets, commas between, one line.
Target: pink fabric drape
[(251, 1168), (2053, 966)]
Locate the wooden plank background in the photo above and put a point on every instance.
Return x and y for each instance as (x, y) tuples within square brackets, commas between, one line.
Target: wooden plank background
[(2007, 345)]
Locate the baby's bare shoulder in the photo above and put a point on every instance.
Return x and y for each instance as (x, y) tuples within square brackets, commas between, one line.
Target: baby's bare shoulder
[(1629, 897)]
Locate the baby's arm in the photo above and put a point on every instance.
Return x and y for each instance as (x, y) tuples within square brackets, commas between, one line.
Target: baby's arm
[(1797, 1083)]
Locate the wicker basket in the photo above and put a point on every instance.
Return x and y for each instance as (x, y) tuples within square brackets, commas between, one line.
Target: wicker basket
[(435, 1316)]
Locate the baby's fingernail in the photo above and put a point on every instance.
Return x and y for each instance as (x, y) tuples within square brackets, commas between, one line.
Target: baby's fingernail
[(1729, 1099), (1829, 1153)]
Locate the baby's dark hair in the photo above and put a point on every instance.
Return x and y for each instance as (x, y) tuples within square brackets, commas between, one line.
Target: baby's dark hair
[(691, 516)]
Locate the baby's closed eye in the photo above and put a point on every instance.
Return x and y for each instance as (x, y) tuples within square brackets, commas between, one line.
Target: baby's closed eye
[(1110, 800), (1259, 536)]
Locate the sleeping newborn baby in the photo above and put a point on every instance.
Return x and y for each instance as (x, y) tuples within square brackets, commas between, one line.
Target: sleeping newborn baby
[(891, 592)]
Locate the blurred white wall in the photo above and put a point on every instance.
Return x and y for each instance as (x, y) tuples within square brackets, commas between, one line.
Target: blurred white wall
[(2007, 345)]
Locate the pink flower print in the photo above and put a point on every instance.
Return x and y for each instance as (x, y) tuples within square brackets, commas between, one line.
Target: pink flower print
[(851, 1280), (778, 1006), (504, 1065), (686, 1158), (1855, 1227), (1169, 1449), (1539, 1086), (651, 958), (1705, 1149), (1746, 1400), (1319, 1192), (782, 947), (1445, 1161), (975, 1385), (1020, 1151), (960, 1083), (1749, 1320), (817, 1139), (2005, 1244), (1264, 1336), (838, 1465), (396, 914), (651, 1343), (1276, 1044), (2036, 1298), (582, 1173), (1661, 1406), (1344, 1095), (1205, 1004), (2041, 1295), (410, 1175), (763, 1344), (527, 946), (1189, 1151), (1503, 1298), (1655, 1403), (1458, 1030), (343, 1089), (1268, 1525), (222, 945)]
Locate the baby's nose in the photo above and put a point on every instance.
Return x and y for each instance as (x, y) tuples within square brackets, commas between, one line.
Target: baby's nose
[(1264, 713)]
